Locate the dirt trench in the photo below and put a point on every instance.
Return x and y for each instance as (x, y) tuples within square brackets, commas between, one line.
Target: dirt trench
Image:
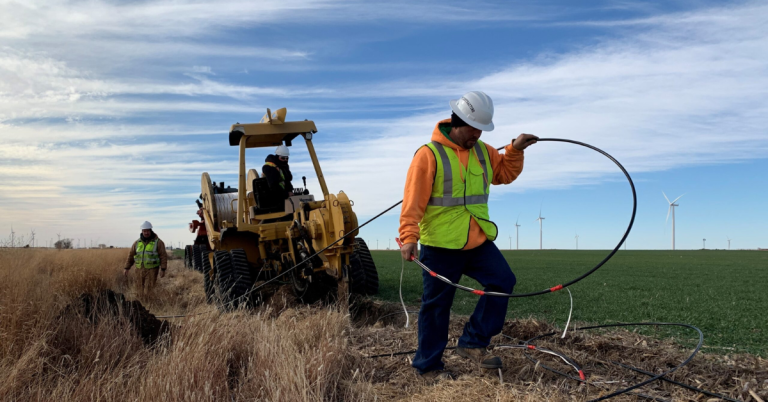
[(108, 303)]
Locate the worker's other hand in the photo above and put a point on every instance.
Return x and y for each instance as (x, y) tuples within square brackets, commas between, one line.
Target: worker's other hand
[(162, 273), (523, 141), (408, 250)]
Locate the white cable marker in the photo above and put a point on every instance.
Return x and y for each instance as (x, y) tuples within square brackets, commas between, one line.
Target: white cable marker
[(569, 314), (407, 317)]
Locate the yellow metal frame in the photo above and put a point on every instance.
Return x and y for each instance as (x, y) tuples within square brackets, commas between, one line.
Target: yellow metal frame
[(328, 219), (273, 131)]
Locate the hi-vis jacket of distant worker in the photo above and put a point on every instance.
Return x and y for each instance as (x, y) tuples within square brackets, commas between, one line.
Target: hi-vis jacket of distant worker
[(147, 254), (279, 176), (445, 202)]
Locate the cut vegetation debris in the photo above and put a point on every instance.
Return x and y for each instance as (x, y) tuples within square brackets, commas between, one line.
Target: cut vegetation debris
[(53, 347), (721, 292)]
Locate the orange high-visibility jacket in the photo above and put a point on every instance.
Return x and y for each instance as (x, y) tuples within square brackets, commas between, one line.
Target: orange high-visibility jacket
[(421, 174)]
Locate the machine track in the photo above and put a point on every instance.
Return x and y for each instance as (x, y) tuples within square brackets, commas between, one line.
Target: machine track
[(363, 277), (233, 277)]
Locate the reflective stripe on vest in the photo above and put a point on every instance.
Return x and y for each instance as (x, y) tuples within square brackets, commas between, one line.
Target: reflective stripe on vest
[(448, 199), (282, 176), (454, 201), (147, 255)]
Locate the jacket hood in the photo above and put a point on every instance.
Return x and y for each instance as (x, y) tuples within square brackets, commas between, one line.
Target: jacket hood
[(274, 159), (439, 137)]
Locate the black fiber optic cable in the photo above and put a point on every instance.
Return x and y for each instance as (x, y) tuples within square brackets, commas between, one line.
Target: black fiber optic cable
[(527, 345), (571, 282), (552, 289), (654, 377), (480, 292), (679, 384)]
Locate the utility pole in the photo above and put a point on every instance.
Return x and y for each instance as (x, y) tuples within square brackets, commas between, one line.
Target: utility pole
[(13, 237), (704, 247)]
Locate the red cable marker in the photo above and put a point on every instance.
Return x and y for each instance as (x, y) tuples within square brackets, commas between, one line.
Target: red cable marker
[(478, 292), (556, 288)]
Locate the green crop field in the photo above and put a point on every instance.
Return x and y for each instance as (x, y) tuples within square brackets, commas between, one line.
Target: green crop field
[(721, 292)]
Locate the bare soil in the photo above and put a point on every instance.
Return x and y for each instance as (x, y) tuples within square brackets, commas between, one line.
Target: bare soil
[(523, 376)]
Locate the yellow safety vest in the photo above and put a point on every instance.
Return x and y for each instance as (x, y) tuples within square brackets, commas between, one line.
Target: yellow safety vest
[(282, 176), (453, 202), (147, 255)]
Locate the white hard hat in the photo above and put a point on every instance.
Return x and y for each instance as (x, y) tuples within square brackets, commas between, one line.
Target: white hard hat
[(281, 150), (146, 225), (476, 109)]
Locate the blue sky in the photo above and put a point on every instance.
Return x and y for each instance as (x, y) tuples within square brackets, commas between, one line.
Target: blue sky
[(110, 111)]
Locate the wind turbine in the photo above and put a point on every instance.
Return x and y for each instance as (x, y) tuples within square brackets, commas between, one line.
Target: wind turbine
[(704, 247), (729, 242), (577, 241), (672, 206), (517, 233), (541, 229)]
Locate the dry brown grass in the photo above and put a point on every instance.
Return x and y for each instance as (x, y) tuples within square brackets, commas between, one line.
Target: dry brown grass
[(45, 355), (281, 352)]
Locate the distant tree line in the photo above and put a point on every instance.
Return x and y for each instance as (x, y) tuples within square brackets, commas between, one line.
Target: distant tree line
[(63, 244)]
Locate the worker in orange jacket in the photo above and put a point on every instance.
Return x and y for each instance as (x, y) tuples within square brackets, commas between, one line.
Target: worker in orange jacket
[(445, 208)]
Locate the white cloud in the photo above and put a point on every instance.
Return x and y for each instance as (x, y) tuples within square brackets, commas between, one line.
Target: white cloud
[(675, 90), (203, 70), (192, 18), (688, 89)]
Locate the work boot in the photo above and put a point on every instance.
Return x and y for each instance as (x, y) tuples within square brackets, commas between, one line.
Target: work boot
[(481, 357), (438, 375)]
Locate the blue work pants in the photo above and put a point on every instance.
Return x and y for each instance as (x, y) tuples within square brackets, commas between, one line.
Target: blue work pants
[(486, 265)]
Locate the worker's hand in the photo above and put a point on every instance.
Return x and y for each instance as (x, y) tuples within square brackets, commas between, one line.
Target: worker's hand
[(408, 250), (162, 273), (523, 141)]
